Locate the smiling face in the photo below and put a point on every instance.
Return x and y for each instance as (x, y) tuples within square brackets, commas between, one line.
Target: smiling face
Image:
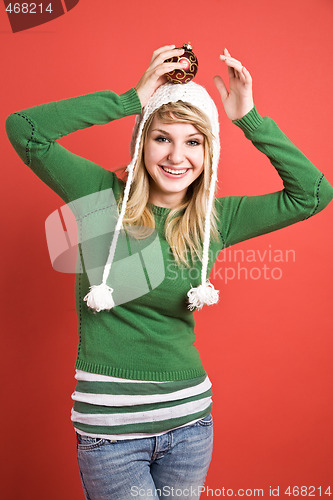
[(174, 157)]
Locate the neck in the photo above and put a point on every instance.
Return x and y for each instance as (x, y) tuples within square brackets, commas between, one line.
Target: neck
[(170, 200)]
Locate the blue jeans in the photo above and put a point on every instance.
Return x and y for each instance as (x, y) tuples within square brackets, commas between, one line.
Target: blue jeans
[(173, 465)]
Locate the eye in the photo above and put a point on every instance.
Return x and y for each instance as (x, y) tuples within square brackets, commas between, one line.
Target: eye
[(161, 138), (194, 143)]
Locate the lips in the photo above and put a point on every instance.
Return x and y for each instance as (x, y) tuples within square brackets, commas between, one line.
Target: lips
[(172, 168), (173, 176)]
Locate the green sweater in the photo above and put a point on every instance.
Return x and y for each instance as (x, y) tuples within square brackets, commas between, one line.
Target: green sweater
[(152, 336)]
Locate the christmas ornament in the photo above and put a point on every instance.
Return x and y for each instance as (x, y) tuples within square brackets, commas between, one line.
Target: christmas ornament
[(189, 71)]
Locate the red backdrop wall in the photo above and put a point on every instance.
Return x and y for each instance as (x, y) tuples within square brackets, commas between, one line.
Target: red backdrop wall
[(267, 345)]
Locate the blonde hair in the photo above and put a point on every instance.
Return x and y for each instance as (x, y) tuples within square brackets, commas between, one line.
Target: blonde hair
[(184, 231)]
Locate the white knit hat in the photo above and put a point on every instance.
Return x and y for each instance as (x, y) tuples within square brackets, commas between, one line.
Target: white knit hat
[(100, 297)]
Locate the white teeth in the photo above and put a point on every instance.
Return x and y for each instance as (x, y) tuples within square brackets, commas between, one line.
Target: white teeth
[(175, 172)]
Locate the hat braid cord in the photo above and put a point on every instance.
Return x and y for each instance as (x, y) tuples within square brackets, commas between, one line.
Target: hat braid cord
[(119, 224)]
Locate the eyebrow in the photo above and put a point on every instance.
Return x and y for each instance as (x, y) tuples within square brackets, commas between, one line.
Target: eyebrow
[(167, 133)]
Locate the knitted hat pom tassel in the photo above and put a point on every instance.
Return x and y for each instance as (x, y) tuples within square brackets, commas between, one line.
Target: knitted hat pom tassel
[(204, 294), (100, 297)]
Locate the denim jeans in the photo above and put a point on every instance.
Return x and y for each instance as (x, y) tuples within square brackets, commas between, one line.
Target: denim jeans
[(173, 465)]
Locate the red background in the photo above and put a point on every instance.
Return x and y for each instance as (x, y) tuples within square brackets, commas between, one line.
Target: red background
[(267, 345)]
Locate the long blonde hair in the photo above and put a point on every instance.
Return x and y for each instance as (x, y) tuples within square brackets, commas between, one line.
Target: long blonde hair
[(184, 231)]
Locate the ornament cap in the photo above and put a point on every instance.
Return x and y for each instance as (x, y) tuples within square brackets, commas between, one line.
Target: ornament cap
[(189, 69)]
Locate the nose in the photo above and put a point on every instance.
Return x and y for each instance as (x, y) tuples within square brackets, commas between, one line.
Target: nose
[(176, 154)]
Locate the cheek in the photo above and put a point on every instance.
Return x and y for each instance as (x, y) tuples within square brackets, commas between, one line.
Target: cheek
[(198, 160), (151, 156)]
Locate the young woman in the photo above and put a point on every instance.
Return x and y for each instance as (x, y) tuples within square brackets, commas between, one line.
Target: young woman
[(142, 402)]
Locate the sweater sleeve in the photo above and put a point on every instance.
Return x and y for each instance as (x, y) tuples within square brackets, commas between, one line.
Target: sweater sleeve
[(306, 191), (33, 132)]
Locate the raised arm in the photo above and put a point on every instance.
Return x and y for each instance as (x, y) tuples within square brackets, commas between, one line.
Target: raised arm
[(33, 132), (306, 191)]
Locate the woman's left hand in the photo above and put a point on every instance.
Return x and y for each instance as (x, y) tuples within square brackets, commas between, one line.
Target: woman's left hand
[(239, 100)]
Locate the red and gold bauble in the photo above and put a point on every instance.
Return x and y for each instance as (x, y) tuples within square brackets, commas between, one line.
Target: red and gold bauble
[(189, 71)]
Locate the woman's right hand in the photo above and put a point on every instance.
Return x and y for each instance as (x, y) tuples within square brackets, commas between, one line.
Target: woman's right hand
[(155, 74)]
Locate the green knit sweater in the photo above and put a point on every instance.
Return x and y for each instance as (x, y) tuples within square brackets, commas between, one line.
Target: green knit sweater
[(152, 336)]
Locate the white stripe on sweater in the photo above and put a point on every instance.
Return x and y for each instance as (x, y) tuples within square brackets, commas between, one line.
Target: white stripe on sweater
[(141, 417), (138, 435), (195, 390), (137, 399), (95, 377)]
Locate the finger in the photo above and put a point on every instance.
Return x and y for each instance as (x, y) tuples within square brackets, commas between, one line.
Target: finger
[(162, 49), (244, 75), (247, 75), (164, 68), (168, 54), (240, 74), (226, 53), (231, 69), (244, 71), (220, 85), (228, 58), (234, 68)]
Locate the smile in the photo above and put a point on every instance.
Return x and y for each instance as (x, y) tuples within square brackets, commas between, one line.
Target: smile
[(169, 172)]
